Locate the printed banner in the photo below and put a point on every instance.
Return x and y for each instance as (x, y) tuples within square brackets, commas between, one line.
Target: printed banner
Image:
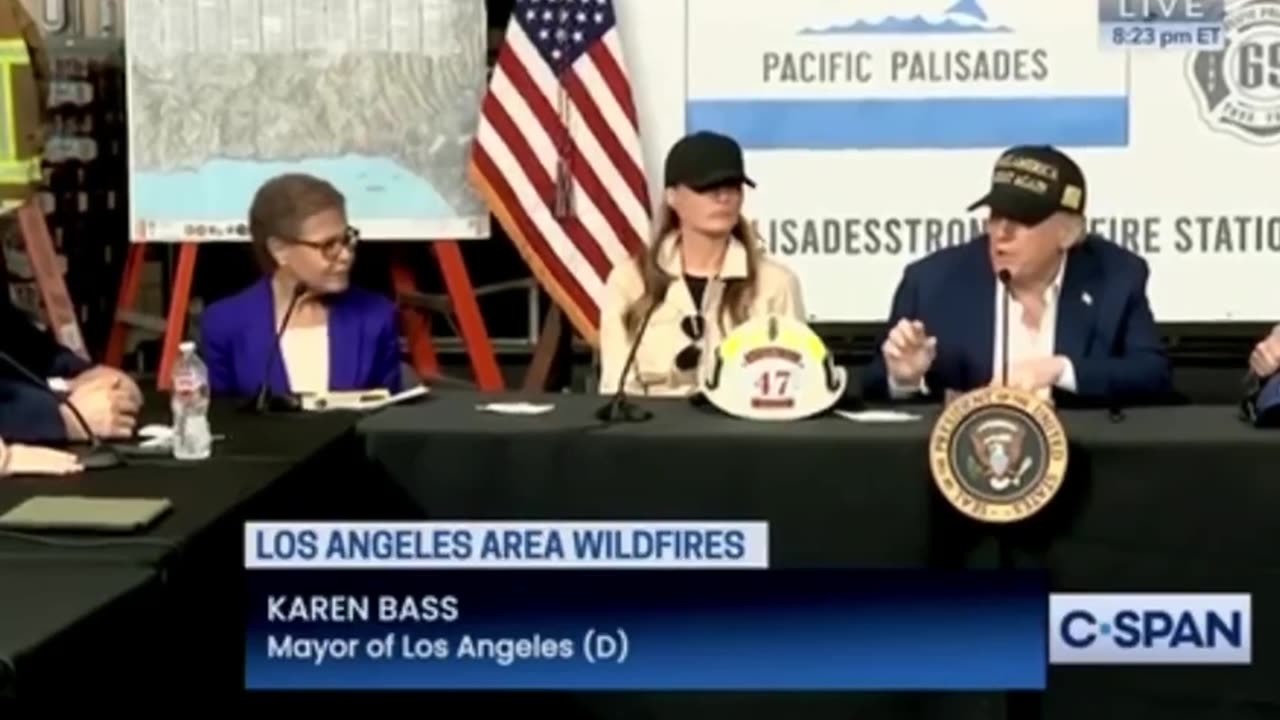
[(870, 125), (645, 630)]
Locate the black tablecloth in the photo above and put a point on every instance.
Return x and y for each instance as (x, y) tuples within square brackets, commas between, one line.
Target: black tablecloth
[(275, 466), (73, 625), (1167, 499), (827, 501), (1171, 499), (257, 451)]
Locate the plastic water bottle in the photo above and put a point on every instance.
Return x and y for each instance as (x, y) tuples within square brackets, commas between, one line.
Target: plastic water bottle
[(192, 436)]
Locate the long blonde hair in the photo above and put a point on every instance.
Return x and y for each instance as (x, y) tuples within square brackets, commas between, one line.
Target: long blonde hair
[(738, 292)]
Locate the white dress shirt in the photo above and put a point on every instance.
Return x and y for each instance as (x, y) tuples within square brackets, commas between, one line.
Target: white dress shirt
[(1025, 343), (306, 358)]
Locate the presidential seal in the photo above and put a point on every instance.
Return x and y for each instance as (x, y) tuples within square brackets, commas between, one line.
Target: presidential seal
[(1238, 87), (998, 454)]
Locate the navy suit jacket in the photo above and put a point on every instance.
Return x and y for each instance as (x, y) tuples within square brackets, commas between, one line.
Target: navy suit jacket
[(239, 340), (1111, 338), (28, 413)]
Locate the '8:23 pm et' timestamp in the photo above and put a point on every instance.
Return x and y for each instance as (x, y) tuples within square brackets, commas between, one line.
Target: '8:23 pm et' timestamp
[(1162, 36)]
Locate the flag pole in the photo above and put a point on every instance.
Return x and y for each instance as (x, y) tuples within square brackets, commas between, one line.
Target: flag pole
[(564, 206)]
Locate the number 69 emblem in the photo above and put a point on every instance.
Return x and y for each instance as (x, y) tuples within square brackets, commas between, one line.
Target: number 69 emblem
[(773, 368)]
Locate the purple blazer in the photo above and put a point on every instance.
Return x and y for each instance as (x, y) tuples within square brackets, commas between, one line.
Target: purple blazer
[(238, 340)]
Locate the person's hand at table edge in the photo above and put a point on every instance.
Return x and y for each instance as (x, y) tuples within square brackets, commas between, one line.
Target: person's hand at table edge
[(109, 409), (102, 374), (908, 352), (1040, 375), (35, 460), (1265, 358)]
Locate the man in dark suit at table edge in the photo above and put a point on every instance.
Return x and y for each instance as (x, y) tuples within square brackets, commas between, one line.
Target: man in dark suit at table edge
[(1082, 329), (108, 399)]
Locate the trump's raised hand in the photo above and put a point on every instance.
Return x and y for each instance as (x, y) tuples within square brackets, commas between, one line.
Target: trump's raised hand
[(909, 352)]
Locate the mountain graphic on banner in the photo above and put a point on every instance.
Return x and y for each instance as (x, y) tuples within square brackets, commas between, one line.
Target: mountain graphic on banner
[(965, 16)]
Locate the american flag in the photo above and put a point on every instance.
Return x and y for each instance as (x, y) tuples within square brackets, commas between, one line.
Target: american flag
[(557, 155)]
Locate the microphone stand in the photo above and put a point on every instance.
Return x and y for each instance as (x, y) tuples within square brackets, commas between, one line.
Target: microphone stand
[(97, 456), (1004, 329), (266, 401), (1252, 389), (1004, 555), (1249, 411), (620, 408)]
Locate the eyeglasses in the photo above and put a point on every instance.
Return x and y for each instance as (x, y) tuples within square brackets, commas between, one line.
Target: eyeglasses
[(332, 247), (693, 326)]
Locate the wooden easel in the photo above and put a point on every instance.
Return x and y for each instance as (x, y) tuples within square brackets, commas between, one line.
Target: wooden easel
[(416, 326), (544, 353), (60, 313)]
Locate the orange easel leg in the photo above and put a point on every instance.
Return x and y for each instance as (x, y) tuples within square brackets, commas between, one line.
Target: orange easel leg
[(474, 334), (415, 323), (178, 304), (127, 298)]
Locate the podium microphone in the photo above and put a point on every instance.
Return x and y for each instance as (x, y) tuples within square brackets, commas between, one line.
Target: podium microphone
[(266, 401), (619, 408), (1252, 384), (98, 456), (1005, 277), (1252, 390)]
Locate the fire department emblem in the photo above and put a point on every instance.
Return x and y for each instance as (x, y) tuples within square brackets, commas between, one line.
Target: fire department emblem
[(773, 367)]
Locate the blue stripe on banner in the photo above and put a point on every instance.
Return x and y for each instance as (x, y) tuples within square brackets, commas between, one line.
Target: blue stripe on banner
[(646, 630), (949, 123)]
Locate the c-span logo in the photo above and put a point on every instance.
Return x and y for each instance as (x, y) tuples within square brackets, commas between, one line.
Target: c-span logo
[(998, 454), (1150, 629), (1238, 88)]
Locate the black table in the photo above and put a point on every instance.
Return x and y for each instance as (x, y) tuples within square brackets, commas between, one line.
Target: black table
[(1168, 499), (258, 452), (821, 484), (73, 625), (190, 562)]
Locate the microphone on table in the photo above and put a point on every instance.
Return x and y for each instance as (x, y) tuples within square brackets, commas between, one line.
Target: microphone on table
[(1115, 409), (1005, 277), (1252, 384), (1249, 410), (619, 408), (98, 456), (266, 401)]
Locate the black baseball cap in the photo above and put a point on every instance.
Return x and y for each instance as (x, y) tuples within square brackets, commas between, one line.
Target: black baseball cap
[(705, 160), (1032, 182)]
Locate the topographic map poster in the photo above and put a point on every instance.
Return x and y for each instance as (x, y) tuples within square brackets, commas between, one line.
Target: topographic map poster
[(380, 97)]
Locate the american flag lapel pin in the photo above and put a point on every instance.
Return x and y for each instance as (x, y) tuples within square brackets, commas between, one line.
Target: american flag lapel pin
[(1086, 298)]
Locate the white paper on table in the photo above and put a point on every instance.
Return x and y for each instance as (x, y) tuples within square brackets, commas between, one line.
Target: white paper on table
[(399, 397), (156, 436), (161, 436), (878, 416), (516, 408)]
